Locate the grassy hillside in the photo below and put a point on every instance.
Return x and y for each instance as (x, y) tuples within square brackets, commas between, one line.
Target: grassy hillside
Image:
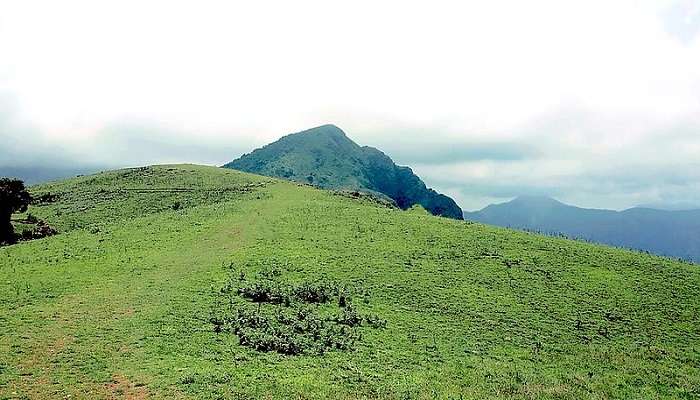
[(120, 303)]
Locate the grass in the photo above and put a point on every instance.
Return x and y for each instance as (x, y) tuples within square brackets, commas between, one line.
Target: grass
[(119, 303)]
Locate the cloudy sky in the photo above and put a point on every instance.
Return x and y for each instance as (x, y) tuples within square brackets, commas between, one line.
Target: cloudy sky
[(596, 103)]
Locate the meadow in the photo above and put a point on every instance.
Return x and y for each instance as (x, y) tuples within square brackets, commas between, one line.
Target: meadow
[(121, 302)]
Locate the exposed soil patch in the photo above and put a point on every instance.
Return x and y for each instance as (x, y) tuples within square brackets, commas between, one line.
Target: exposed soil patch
[(123, 388)]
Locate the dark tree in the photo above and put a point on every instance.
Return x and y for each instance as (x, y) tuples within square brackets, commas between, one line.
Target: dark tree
[(13, 198)]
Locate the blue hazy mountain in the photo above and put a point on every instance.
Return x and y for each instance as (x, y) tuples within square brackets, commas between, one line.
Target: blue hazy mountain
[(664, 232), (32, 175)]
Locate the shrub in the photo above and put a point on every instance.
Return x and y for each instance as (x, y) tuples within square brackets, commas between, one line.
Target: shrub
[(27, 234), (270, 273), (287, 318), (45, 198), (344, 298), (265, 291), (375, 322), (350, 317), (291, 332), (43, 230), (316, 292)]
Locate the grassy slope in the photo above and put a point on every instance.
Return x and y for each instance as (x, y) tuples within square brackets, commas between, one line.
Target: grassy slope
[(118, 304)]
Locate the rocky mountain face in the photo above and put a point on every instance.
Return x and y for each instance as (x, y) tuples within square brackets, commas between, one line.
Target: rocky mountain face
[(326, 157)]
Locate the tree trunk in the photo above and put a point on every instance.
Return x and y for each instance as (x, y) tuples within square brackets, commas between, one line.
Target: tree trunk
[(7, 232)]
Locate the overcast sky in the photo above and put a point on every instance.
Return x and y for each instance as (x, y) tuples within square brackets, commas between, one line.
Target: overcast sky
[(596, 103)]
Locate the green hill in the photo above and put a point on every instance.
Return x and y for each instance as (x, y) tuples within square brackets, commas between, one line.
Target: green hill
[(124, 302), (326, 157)]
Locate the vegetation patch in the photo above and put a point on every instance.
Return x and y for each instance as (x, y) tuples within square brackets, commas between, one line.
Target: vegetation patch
[(92, 202), (272, 314), (44, 198), (34, 228), (369, 197)]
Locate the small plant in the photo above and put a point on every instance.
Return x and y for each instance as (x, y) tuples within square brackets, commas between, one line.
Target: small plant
[(31, 219), (343, 298), (27, 234), (43, 230), (375, 321), (265, 291), (45, 198), (316, 292), (270, 273), (350, 317)]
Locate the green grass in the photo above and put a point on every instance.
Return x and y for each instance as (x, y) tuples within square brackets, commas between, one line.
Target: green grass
[(119, 303)]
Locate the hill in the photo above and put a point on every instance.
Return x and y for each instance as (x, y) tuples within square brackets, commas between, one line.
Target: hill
[(128, 300), (662, 232), (326, 157)]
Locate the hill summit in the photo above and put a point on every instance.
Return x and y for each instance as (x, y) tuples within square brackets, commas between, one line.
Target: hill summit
[(326, 157)]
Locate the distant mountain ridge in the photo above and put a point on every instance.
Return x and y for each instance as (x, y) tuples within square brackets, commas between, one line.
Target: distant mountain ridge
[(672, 206), (38, 174), (326, 157), (663, 232)]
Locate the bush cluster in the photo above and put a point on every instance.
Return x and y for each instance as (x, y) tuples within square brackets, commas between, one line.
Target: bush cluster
[(290, 331), (41, 230), (45, 198), (269, 289), (310, 317)]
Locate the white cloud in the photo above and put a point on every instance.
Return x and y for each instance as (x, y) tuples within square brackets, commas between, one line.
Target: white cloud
[(580, 82)]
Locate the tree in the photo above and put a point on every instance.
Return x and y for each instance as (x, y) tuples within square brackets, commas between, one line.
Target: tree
[(13, 198)]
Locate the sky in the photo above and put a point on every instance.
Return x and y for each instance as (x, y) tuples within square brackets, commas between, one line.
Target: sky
[(596, 103)]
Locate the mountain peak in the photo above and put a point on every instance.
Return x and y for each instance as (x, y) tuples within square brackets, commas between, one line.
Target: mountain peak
[(323, 130), (324, 156), (536, 200), (318, 139)]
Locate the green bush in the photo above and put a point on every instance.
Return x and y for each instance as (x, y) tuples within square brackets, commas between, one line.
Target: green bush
[(316, 292), (270, 314), (350, 317), (265, 291)]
